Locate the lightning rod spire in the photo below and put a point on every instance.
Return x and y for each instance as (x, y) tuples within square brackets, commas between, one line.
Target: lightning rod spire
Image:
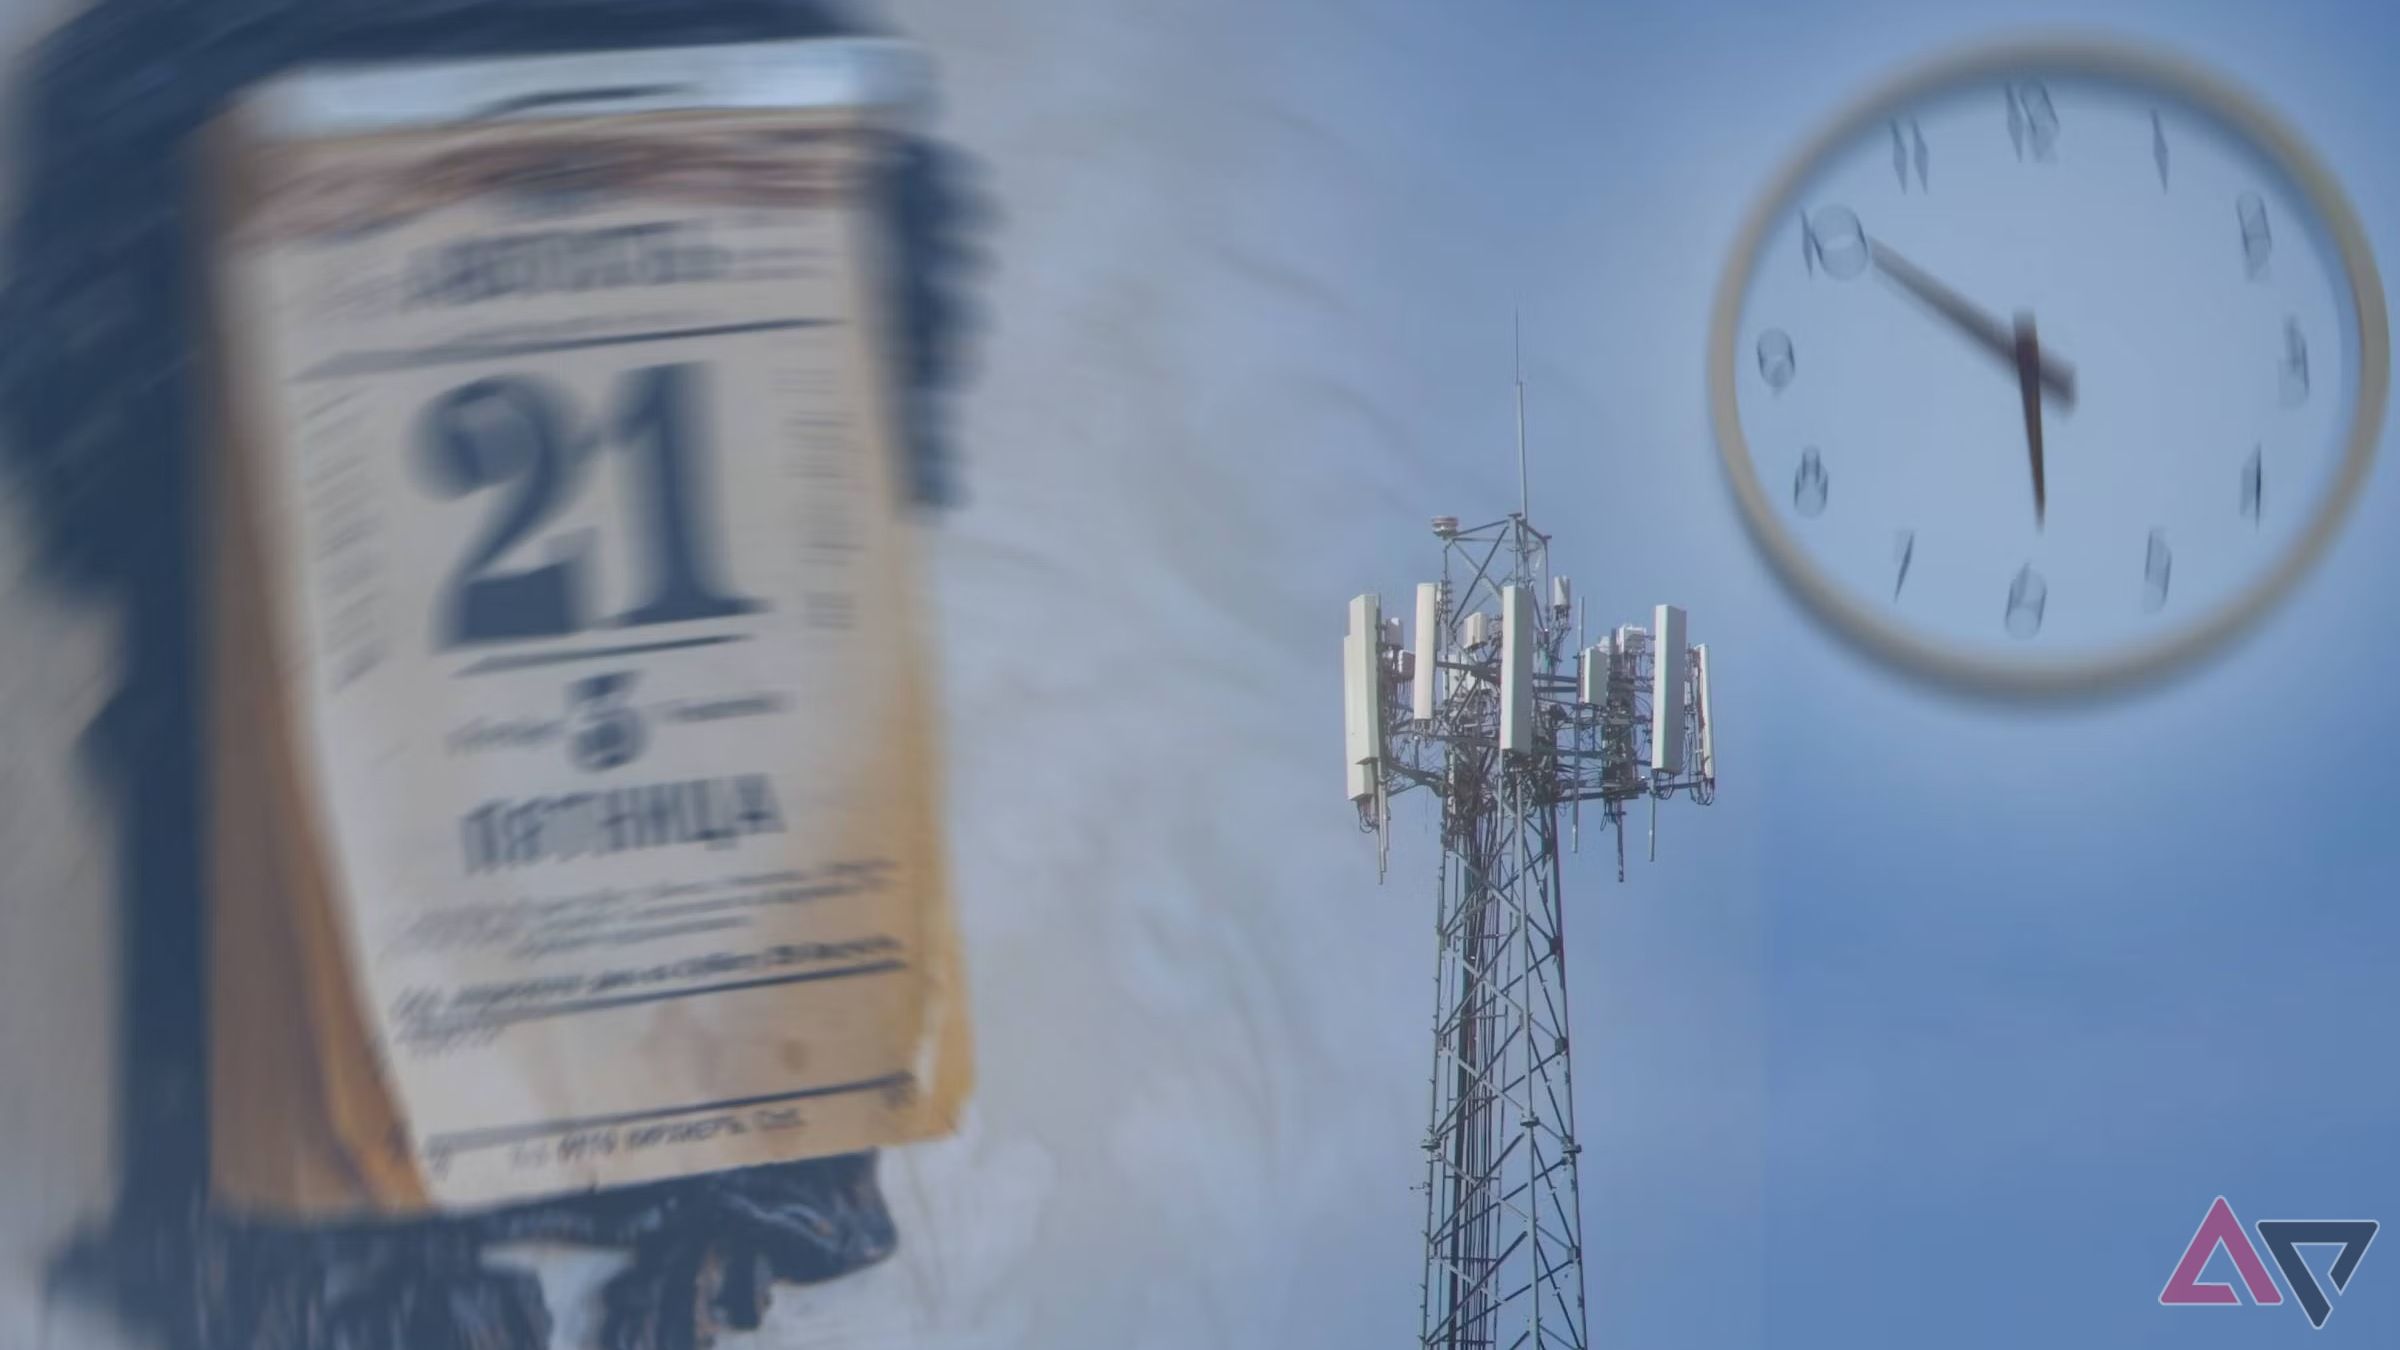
[(1524, 488)]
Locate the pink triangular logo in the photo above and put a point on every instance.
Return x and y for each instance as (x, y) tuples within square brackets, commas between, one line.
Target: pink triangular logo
[(2220, 1228)]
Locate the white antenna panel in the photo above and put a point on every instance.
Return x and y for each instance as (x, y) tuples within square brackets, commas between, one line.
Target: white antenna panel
[(1477, 630), (1392, 636), (1354, 719), (1517, 638), (1666, 692), (1425, 690), (1562, 595), (1362, 703), (1591, 675), (1708, 738)]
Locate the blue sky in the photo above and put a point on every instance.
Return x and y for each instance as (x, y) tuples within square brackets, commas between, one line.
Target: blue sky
[(1943, 1025)]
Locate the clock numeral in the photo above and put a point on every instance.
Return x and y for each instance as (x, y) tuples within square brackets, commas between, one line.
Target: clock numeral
[(1835, 241), (1776, 364), (2258, 242), (2158, 147), (1908, 149), (2032, 121), (2295, 364), (2254, 486), (1904, 550), (2028, 595), (2158, 564), (1810, 484)]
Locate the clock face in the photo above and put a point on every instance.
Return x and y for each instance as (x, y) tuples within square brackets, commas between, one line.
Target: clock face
[(2049, 368)]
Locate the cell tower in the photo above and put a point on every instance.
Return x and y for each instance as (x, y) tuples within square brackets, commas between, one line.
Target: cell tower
[(1497, 707)]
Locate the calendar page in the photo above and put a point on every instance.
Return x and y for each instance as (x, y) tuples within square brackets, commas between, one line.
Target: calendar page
[(567, 446)]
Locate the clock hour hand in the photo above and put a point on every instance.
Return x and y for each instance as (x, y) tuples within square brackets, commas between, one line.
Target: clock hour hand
[(2055, 377), (2028, 349)]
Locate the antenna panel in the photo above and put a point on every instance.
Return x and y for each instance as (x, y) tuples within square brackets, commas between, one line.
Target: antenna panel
[(1562, 595), (1708, 738), (1362, 704), (1392, 636), (1478, 630), (1353, 721), (1591, 675), (1666, 692), (1517, 639), (1425, 690)]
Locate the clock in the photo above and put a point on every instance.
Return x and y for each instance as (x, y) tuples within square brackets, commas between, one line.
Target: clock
[(2048, 368)]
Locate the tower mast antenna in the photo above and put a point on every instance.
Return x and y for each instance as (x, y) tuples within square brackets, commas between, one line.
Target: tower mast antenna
[(1494, 707)]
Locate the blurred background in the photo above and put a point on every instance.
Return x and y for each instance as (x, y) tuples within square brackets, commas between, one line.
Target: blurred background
[(1945, 1023)]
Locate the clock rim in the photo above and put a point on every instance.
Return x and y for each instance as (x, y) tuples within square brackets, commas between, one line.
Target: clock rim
[(1958, 666)]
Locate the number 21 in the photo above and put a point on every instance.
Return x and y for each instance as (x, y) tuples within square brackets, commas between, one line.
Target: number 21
[(518, 430)]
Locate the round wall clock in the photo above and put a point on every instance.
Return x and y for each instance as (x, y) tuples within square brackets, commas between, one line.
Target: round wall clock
[(2049, 367)]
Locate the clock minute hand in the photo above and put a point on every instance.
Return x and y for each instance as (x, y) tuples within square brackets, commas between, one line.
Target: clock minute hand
[(2057, 378)]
